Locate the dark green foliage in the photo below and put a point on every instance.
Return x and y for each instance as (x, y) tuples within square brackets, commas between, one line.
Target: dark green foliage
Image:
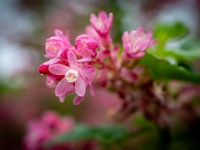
[(162, 69), (105, 134)]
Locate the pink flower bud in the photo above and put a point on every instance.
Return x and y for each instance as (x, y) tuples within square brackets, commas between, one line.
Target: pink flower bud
[(43, 69), (86, 46), (93, 33)]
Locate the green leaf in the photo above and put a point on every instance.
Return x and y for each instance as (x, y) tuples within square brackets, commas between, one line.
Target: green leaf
[(189, 50), (162, 69), (164, 32), (184, 55), (105, 134), (179, 55), (192, 44)]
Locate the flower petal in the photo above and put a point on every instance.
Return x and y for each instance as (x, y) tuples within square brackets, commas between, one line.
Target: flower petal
[(138, 55), (103, 15), (64, 88), (51, 81), (139, 32), (143, 45), (85, 58), (152, 42), (52, 61), (58, 69), (62, 98), (77, 100), (72, 59), (80, 87), (87, 72), (91, 89), (58, 33)]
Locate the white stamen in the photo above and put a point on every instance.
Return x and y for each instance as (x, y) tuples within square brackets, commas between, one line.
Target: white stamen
[(71, 75)]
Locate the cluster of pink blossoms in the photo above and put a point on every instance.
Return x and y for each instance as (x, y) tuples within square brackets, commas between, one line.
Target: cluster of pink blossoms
[(41, 130), (72, 69)]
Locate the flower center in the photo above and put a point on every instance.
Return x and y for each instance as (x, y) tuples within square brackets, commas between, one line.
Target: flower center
[(71, 75), (99, 23), (51, 48)]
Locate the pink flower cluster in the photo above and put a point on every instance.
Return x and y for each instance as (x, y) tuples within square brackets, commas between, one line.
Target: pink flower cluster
[(72, 69), (64, 71), (50, 125)]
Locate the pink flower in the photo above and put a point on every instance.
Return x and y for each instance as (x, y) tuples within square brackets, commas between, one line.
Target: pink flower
[(86, 46), (102, 23), (50, 125), (76, 78), (60, 34), (54, 45), (54, 121), (37, 133), (63, 53), (57, 47), (93, 33), (136, 42)]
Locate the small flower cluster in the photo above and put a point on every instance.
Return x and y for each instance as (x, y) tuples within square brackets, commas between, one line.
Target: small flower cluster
[(41, 130), (64, 71), (72, 69)]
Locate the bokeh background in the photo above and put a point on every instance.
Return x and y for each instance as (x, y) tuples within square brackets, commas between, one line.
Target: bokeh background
[(24, 27)]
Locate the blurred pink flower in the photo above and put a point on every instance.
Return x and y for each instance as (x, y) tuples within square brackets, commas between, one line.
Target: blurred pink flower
[(102, 23), (136, 42), (50, 125), (128, 75)]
